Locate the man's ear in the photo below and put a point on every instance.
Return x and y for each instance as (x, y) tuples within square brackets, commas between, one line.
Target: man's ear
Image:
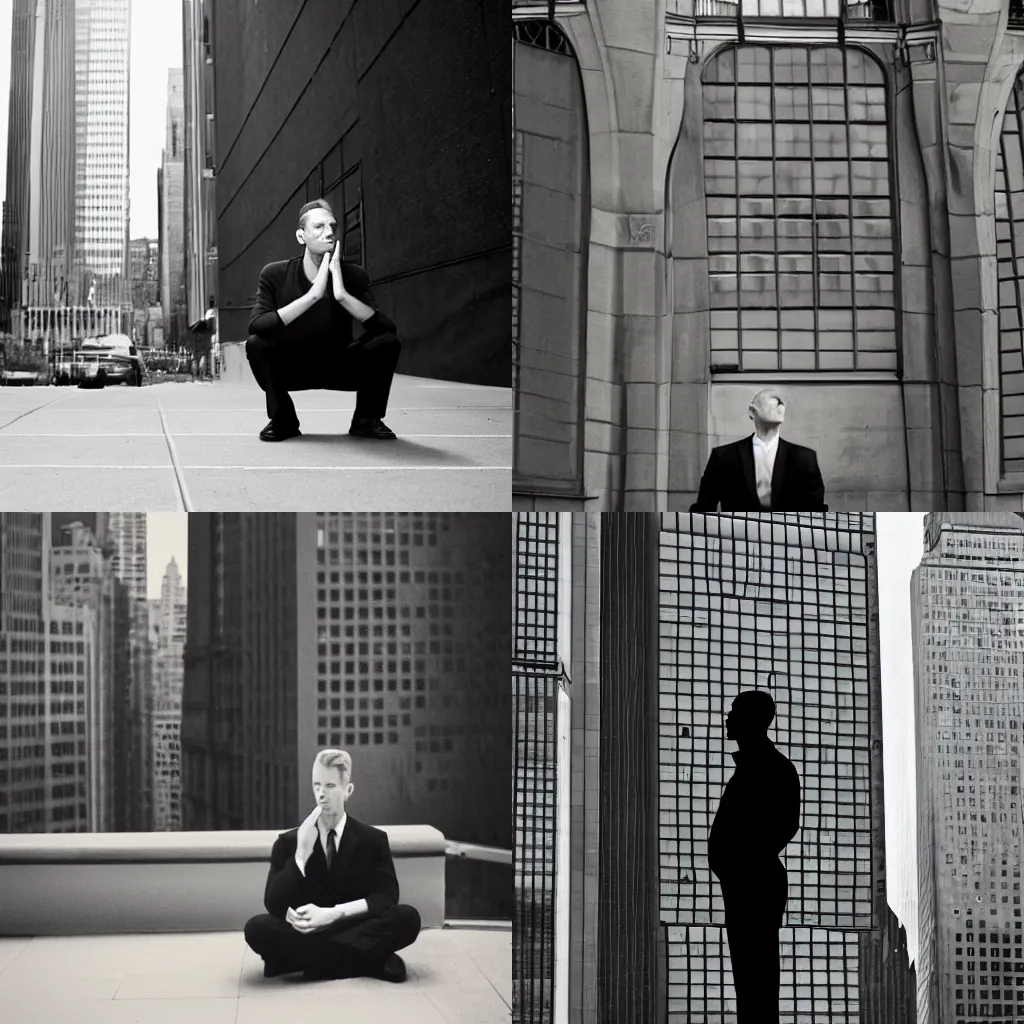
[(300, 236)]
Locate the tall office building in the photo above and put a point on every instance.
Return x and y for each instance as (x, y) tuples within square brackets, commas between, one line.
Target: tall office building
[(383, 633), (127, 534), (46, 672), (200, 208), (541, 718), (101, 153), (172, 212), (660, 621), (968, 607), (167, 643), (81, 577)]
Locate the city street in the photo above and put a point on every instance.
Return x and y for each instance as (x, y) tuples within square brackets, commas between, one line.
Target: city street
[(194, 447)]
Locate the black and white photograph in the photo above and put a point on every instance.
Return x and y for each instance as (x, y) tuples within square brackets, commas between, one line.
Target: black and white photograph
[(766, 255), (768, 768), (254, 764), (255, 255)]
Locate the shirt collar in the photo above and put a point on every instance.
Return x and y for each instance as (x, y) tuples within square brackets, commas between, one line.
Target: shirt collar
[(753, 752), (338, 829), (768, 446)]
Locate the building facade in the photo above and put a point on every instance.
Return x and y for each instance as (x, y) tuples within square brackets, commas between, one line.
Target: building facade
[(709, 199), (172, 213), (81, 577), (100, 270), (429, 222), (200, 213), (967, 601), (661, 620), (168, 623), (376, 632)]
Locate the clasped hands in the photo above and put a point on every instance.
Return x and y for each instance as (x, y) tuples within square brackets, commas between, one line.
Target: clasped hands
[(332, 267), (310, 918)]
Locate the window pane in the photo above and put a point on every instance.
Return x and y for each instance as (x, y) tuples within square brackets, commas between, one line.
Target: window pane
[(796, 167)]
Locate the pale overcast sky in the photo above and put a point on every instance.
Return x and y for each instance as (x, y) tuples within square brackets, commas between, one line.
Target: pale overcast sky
[(900, 546), (155, 47), (166, 536)]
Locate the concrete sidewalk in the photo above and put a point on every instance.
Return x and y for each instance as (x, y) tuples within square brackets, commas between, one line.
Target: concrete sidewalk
[(195, 447), (456, 976)]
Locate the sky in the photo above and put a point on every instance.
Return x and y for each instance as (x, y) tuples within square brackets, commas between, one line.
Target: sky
[(155, 47), (900, 547), (166, 535)]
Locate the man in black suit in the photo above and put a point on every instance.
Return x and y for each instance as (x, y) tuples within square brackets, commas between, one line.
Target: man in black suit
[(301, 332), (332, 894), (758, 815), (762, 472)]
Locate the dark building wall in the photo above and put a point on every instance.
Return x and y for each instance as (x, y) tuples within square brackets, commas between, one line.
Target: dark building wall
[(629, 991), (421, 92), (59, 520)]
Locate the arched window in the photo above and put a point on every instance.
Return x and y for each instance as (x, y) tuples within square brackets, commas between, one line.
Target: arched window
[(799, 210), (1009, 205)]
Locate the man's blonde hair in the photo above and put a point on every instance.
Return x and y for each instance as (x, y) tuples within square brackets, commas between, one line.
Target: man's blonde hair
[(316, 204), (340, 759)]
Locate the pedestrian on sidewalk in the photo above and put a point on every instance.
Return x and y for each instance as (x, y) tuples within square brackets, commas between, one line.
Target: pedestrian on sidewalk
[(301, 332)]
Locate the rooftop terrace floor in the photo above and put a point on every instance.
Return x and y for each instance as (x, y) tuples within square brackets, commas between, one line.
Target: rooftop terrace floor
[(459, 975)]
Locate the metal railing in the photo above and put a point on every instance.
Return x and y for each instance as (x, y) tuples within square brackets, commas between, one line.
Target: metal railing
[(470, 851), (849, 10)]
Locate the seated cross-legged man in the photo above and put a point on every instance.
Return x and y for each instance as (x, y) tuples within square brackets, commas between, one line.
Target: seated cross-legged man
[(332, 894), (301, 335)]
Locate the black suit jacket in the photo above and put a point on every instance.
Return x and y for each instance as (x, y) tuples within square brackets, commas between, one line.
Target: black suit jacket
[(283, 282), (362, 870), (729, 481)]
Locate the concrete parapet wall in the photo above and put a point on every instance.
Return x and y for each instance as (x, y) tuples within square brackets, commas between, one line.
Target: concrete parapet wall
[(118, 882)]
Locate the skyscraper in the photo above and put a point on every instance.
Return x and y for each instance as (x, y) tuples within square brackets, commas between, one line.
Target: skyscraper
[(168, 653), (172, 212), (967, 602), (127, 533), (101, 151), (81, 577), (633, 634)]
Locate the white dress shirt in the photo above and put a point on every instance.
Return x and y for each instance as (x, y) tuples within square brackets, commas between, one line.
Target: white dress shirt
[(354, 907), (338, 829), (764, 466)]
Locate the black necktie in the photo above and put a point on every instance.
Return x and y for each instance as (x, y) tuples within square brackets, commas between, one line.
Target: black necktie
[(331, 848)]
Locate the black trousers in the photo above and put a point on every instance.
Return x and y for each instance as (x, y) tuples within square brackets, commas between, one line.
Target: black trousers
[(354, 945), (366, 367), (754, 907)]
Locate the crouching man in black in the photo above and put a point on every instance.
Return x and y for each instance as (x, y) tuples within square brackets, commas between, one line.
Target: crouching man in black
[(301, 332), (332, 894)]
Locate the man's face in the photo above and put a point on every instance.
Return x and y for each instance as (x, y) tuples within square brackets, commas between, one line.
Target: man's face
[(318, 233), (768, 407), (329, 792)]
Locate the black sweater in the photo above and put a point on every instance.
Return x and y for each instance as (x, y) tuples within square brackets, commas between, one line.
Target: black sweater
[(326, 320)]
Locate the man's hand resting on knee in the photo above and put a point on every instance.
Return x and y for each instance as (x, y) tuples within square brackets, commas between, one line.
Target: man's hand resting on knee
[(311, 918)]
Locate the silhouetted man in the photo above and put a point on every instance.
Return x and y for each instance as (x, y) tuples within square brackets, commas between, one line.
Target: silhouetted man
[(763, 472), (759, 814)]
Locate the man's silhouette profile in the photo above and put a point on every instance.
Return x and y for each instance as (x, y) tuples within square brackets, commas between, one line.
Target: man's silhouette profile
[(758, 815)]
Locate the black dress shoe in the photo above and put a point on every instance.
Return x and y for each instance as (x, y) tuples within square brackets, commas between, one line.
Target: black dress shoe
[(393, 969), (375, 428), (272, 432)]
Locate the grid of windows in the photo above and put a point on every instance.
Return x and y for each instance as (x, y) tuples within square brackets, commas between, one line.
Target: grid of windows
[(968, 601), (782, 600), (800, 229), (535, 682), (1009, 209), (852, 10), (818, 975)]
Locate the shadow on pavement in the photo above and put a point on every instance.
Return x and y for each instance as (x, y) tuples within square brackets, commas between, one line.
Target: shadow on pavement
[(409, 450)]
